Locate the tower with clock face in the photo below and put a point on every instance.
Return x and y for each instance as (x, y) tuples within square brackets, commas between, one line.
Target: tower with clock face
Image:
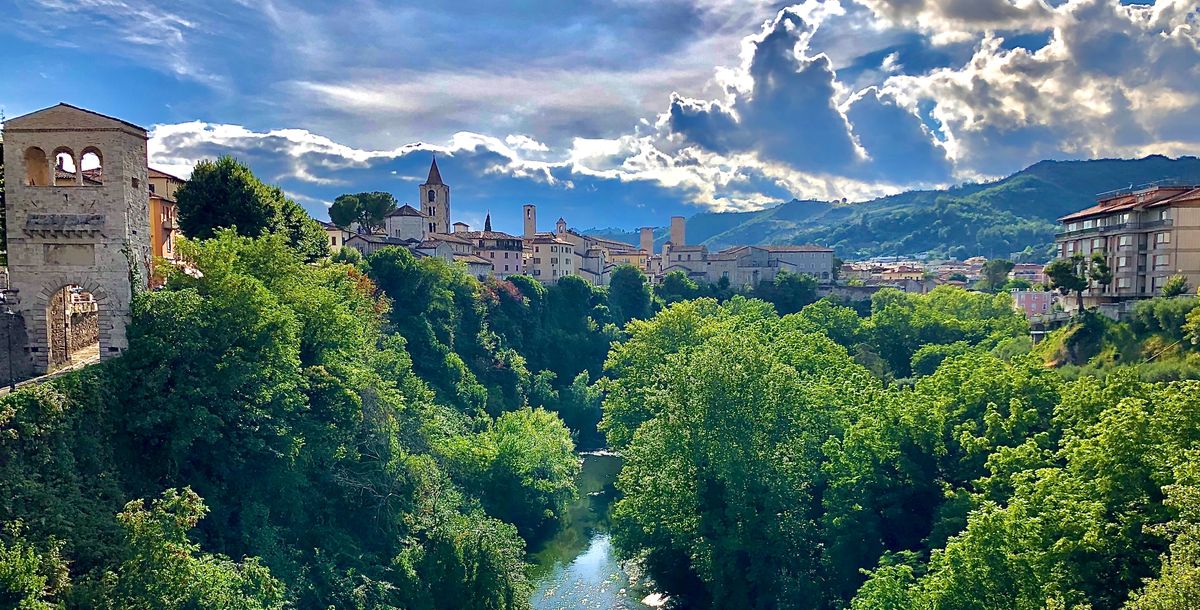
[(78, 227), (435, 201)]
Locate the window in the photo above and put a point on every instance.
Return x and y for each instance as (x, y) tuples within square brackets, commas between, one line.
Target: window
[(37, 167), (1124, 218), (1125, 240), (1070, 247), (1097, 244), (92, 166), (1162, 215), (1161, 260), (65, 173), (492, 254), (1122, 262), (431, 196), (506, 267), (1087, 224), (1124, 282), (1162, 238), (333, 240)]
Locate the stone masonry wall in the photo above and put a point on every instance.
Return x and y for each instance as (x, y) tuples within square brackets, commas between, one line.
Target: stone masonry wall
[(13, 342), (85, 329)]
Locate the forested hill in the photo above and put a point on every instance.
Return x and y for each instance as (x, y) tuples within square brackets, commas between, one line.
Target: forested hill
[(1015, 214)]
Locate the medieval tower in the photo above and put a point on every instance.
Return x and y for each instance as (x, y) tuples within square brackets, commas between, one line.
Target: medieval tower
[(78, 228), (530, 227), (435, 201)]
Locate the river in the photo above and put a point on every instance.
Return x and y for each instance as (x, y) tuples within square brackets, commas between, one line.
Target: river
[(576, 567)]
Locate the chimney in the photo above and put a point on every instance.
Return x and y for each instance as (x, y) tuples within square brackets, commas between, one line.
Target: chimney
[(648, 240), (530, 221), (677, 231)]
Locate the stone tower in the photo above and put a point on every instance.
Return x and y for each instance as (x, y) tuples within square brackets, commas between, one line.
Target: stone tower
[(78, 224), (530, 221), (435, 200), (677, 228)]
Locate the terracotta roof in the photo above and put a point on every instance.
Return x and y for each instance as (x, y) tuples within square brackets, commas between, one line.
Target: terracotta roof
[(546, 238), (608, 243), (406, 210), (472, 258), (1130, 201), (798, 248), (435, 176), (158, 173), (487, 235), (450, 237), (381, 239)]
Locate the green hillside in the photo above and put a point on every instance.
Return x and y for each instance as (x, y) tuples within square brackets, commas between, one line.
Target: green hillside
[(1013, 215)]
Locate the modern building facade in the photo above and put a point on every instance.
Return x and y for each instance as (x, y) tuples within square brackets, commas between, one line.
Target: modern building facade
[(1146, 235)]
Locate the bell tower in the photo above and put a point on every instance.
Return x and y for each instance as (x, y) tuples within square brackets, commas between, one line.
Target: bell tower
[(435, 201)]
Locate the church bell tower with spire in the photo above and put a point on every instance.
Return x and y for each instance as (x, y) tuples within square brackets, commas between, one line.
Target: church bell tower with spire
[(435, 201)]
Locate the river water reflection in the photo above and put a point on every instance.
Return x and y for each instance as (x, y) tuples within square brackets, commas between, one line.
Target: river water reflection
[(576, 567)]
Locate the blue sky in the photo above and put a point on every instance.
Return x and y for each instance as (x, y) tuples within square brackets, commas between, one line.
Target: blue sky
[(618, 113)]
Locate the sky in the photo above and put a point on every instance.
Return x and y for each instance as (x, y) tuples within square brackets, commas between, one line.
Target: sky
[(618, 113)]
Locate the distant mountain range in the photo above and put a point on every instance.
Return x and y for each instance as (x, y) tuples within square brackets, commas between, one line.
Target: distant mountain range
[(1013, 217)]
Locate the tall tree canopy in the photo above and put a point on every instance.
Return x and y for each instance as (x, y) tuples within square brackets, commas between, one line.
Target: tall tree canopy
[(225, 193), (368, 210)]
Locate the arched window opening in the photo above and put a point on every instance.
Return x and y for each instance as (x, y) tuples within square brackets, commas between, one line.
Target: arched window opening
[(431, 195), (91, 163), (65, 170), (37, 167), (72, 321)]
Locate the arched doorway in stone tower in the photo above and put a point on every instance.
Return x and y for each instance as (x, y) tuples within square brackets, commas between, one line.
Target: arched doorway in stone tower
[(72, 326)]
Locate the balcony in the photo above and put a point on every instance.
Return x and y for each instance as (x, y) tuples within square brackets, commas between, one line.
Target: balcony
[(1123, 227)]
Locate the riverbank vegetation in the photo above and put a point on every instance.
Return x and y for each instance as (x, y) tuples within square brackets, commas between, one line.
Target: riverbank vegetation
[(919, 457)]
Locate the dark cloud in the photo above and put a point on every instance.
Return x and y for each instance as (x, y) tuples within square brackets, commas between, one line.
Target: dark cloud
[(896, 141)]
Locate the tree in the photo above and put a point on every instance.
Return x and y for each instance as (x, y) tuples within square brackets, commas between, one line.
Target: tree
[(1069, 275), (1099, 271), (788, 292), (676, 286), (31, 578), (225, 193), (629, 294), (995, 274), (368, 210), (344, 211), (1176, 285), (523, 467), (163, 568)]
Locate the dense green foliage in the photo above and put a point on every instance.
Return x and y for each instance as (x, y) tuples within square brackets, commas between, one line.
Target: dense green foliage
[(225, 193), (1013, 217), (367, 210), (768, 467), (329, 471)]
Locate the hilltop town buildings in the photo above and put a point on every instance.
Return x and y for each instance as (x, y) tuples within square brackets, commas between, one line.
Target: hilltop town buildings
[(550, 256), (164, 215), (1146, 235)]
